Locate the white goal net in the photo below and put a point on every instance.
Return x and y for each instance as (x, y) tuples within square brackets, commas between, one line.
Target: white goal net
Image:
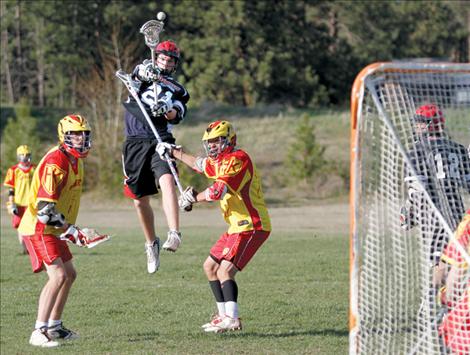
[(410, 185)]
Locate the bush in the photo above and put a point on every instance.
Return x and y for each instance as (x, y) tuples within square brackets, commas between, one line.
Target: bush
[(19, 130), (305, 157)]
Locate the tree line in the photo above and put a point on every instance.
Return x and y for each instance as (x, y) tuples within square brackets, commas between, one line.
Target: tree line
[(295, 53)]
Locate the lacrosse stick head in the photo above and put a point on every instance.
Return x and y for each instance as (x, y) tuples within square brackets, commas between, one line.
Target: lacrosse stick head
[(151, 31), (93, 238)]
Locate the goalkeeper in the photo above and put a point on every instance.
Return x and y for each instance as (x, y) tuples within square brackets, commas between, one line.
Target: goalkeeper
[(54, 200), (17, 180), (443, 168), (238, 188), (145, 173)]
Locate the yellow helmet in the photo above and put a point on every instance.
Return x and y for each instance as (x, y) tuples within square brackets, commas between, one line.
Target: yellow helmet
[(23, 149), (228, 138), (23, 154), (73, 124)]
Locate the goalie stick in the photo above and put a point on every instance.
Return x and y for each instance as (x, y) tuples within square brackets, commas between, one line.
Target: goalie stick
[(132, 86)]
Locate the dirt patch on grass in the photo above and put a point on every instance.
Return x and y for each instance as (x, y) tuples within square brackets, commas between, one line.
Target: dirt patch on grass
[(329, 218)]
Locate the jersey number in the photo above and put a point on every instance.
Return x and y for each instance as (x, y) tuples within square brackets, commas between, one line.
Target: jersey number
[(453, 166)]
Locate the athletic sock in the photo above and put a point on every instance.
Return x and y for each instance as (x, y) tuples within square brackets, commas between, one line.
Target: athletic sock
[(54, 323), (231, 309), (221, 308), (230, 292), (40, 325), (219, 296)]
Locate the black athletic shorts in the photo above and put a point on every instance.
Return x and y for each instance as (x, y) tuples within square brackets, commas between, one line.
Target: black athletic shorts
[(142, 167)]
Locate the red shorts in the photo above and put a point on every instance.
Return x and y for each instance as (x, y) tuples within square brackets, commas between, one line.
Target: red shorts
[(16, 219), (44, 249), (238, 248)]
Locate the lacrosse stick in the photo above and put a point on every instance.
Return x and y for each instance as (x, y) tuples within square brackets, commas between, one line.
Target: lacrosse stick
[(151, 31), (132, 86)]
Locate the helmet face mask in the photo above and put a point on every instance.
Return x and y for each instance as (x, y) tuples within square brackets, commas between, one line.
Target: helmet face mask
[(78, 143), (23, 155), (219, 139), (24, 159), (75, 135), (168, 56)]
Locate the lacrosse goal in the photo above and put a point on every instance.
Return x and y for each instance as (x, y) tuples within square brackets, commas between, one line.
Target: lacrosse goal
[(395, 304)]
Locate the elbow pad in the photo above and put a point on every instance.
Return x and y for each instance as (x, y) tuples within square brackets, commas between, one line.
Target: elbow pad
[(48, 215), (215, 192)]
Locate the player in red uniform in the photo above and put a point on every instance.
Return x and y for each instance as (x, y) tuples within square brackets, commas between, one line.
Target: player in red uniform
[(455, 326), (17, 181), (237, 187), (54, 200)]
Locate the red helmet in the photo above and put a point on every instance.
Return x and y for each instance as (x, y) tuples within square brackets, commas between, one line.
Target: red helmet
[(432, 116), (170, 49)]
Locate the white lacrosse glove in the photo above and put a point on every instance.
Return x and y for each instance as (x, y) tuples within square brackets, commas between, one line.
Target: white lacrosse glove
[(147, 71), (187, 198), (166, 148), (173, 241), (162, 107), (12, 208), (86, 237)]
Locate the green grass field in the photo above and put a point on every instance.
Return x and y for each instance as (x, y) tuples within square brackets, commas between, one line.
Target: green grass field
[(293, 295)]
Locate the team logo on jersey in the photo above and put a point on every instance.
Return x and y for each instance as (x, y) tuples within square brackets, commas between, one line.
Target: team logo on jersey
[(51, 178), (230, 166), (225, 251)]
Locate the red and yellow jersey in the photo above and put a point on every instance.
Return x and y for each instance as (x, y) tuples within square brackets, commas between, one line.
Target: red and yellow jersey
[(451, 254), (243, 205), (19, 179), (57, 180)]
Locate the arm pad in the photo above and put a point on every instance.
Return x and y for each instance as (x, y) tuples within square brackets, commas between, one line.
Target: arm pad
[(215, 192), (47, 214)]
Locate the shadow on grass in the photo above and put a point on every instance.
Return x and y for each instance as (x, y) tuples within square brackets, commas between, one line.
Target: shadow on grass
[(319, 332), (143, 337)]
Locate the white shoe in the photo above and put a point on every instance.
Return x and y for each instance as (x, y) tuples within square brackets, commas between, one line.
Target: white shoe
[(173, 241), (216, 319), (60, 332), (227, 324), (40, 338), (153, 256)]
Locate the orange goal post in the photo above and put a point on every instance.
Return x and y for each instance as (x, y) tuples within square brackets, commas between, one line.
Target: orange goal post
[(409, 189)]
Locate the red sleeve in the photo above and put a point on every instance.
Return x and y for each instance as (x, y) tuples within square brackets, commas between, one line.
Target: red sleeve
[(10, 178), (451, 253), (53, 175)]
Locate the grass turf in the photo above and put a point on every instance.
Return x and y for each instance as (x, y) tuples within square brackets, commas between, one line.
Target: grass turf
[(293, 298)]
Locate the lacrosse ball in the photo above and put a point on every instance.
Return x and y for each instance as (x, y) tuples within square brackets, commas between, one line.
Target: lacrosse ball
[(161, 16)]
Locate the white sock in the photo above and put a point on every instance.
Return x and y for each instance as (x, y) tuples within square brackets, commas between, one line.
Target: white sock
[(40, 325), (231, 309), (54, 322), (221, 308)]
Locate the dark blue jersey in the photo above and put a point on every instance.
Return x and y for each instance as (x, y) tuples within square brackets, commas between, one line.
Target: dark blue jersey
[(136, 125)]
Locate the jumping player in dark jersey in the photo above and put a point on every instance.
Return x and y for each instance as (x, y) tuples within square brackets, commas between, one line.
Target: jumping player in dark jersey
[(144, 171)]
